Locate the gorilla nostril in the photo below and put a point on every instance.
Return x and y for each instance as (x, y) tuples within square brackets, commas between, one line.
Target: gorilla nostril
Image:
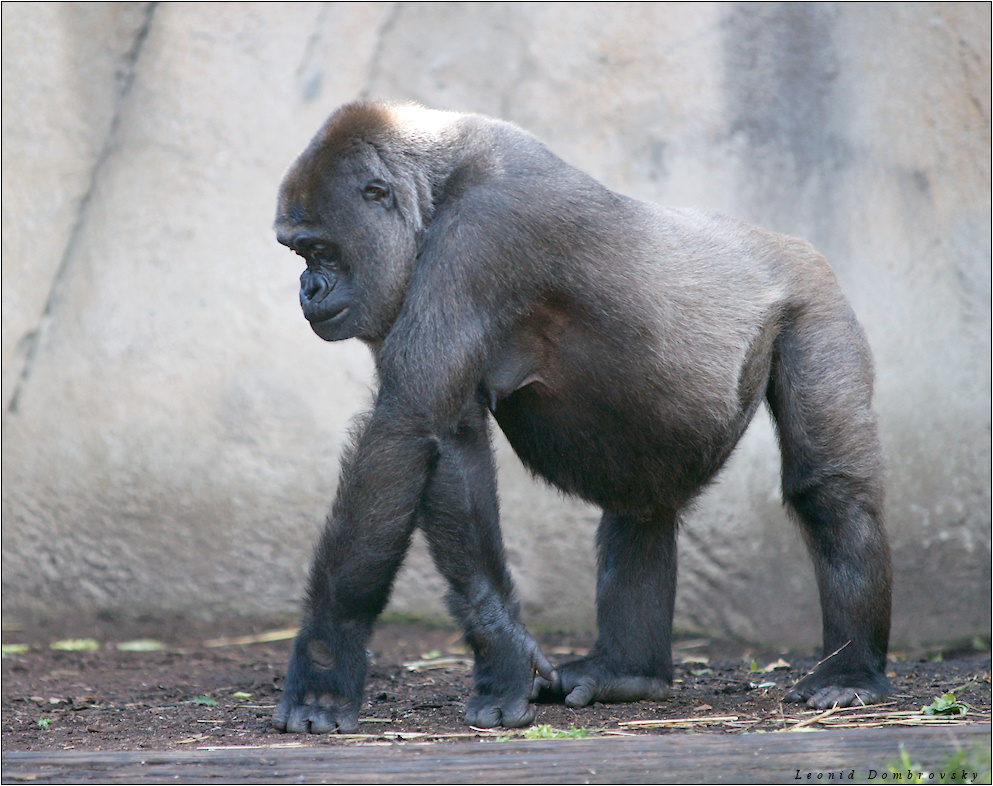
[(304, 241), (314, 287)]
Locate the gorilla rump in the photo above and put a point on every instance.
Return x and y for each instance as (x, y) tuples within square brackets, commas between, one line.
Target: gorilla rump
[(622, 347)]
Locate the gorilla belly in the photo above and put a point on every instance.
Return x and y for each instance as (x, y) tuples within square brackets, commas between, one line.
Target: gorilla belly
[(621, 461)]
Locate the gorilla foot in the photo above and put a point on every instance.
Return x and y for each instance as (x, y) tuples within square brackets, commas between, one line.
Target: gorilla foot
[(323, 714), (584, 681), (823, 691)]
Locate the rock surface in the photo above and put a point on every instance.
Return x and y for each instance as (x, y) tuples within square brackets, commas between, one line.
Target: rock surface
[(172, 428)]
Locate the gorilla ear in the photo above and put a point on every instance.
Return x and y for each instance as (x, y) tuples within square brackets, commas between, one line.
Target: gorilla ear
[(378, 191)]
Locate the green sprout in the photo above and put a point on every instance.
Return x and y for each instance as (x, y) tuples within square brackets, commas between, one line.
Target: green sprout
[(946, 705)]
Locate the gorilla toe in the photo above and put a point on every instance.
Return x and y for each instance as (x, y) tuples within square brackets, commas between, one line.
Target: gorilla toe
[(486, 712)]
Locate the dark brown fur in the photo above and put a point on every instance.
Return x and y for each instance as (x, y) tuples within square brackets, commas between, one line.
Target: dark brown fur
[(622, 347)]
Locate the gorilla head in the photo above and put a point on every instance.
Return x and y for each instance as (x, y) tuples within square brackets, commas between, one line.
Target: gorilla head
[(354, 205)]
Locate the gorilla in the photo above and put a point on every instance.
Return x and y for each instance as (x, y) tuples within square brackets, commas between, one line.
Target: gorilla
[(622, 348)]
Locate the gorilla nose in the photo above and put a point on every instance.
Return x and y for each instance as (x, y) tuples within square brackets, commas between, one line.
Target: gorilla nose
[(314, 287), (301, 241)]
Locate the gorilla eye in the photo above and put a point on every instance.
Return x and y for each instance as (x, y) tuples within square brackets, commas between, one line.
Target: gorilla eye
[(377, 191)]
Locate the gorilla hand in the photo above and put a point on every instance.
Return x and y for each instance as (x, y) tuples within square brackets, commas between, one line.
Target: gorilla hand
[(323, 689)]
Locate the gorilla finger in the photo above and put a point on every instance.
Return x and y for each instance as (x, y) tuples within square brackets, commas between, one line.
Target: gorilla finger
[(298, 721), (347, 724), (823, 699), (538, 684), (323, 723), (548, 692), (279, 717), (542, 665), (517, 714), (486, 717), (831, 697)]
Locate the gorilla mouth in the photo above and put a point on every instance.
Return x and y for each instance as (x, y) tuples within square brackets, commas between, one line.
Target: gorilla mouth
[(325, 328), (319, 316)]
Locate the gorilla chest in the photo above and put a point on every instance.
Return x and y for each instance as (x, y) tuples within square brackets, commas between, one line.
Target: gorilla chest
[(530, 355)]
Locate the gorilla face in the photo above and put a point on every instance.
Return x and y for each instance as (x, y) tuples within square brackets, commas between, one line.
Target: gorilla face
[(350, 233), (327, 291)]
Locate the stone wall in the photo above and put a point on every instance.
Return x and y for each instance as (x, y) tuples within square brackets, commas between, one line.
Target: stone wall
[(171, 426)]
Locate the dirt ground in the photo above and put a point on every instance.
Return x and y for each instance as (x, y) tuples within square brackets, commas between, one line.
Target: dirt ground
[(165, 683)]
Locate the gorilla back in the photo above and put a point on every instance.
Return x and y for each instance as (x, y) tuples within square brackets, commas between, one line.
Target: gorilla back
[(622, 347)]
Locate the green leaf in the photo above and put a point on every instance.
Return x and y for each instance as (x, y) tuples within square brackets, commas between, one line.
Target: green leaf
[(205, 701), (75, 645), (431, 655), (44, 722), (15, 649), (140, 645), (946, 705), (240, 694)]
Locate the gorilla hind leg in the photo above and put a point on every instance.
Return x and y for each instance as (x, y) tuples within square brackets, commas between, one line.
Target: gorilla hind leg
[(820, 396), (636, 589)]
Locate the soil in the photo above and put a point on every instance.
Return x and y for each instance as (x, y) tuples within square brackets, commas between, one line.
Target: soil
[(198, 692)]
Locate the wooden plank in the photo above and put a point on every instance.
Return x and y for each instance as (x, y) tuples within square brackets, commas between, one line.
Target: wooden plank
[(850, 755)]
